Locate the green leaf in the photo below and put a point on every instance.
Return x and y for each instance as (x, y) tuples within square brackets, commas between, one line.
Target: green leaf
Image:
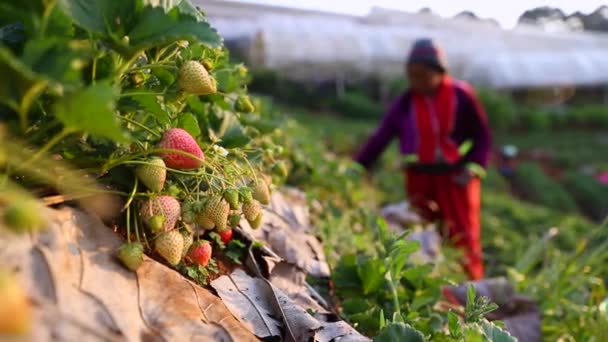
[(371, 273), (184, 6), (104, 17), (470, 296), (188, 122), (165, 76), (399, 332), (155, 28), (91, 110), (231, 132), (57, 59), (495, 333), (226, 82), (454, 325), (150, 104)]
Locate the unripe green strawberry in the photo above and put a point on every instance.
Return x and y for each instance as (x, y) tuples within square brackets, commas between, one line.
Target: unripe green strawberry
[(280, 169), (194, 79), (251, 210), (204, 221), (170, 246), (207, 64), (166, 206), (261, 191), (234, 220), (131, 255), (23, 216), (156, 223), (217, 210), (188, 240), (241, 70), (153, 174), (255, 224), (245, 194), (232, 197), (174, 191), (200, 252), (243, 104), (188, 213)]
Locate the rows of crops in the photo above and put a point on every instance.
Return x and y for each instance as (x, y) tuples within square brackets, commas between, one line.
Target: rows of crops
[(134, 107)]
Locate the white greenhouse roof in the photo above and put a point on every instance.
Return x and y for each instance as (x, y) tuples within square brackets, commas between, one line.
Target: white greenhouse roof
[(315, 46)]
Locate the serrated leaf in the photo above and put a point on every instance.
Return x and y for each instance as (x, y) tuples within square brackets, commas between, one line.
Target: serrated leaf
[(188, 122), (183, 5), (165, 76), (495, 333), (103, 17), (150, 104), (227, 83), (399, 332), (91, 110), (155, 28), (371, 273), (56, 59), (231, 132), (454, 325)]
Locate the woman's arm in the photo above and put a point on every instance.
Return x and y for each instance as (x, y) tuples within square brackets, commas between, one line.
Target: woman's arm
[(379, 140), (478, 129)]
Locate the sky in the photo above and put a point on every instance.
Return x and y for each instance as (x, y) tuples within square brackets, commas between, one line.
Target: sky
[(506, 12)]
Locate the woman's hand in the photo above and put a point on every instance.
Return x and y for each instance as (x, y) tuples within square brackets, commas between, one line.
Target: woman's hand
[(464, 177)]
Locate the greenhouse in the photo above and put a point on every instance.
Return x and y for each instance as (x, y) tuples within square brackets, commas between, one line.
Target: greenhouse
[(316, 46)]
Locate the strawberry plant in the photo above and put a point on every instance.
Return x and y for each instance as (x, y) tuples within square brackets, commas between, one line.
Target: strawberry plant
[(141, 98)]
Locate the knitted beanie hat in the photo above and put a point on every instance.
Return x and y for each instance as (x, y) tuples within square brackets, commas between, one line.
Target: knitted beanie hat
[(426, 51)]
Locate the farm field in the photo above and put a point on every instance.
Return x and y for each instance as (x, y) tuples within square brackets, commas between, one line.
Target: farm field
[(134, 158)]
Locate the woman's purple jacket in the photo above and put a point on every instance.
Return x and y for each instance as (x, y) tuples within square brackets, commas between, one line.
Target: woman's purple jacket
[(471, 125)]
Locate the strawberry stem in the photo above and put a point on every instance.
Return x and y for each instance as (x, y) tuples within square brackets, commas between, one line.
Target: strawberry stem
[(140, 125), (131, 195), (129, 224)]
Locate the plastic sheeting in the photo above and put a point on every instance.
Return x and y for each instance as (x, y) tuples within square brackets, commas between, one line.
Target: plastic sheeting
[(313, 47)]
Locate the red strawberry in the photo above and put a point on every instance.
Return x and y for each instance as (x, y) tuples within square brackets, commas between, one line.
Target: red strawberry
[(200, 252), (226, 235), (179, 139), (166, 206)]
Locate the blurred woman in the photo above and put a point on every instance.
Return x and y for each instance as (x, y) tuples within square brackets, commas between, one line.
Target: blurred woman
[(445, 141)]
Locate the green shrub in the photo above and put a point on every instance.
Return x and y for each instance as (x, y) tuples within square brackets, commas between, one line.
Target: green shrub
[(500, 109), (592, 116), (357, 105), (535, 119), (494, 181), (534, 185), (591, 197)]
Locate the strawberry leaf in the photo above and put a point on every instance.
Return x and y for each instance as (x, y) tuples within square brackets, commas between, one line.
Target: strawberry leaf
[(188, 122), (399, 332), (103, 17), (91, 110), (155, 28)]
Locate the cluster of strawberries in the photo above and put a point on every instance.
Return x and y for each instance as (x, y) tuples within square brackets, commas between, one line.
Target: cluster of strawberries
[(174, 224)]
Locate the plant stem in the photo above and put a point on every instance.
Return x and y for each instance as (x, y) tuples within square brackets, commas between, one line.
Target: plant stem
[(152, 66), (50, 144), (139, 93), (140, 125), (136, 224), (393, 290), (45, 16), (131, 195), (26, 102), (128, 225)]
